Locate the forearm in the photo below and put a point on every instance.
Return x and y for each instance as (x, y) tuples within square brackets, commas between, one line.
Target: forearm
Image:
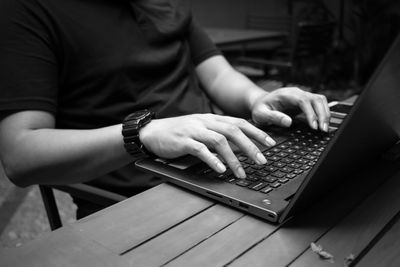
[(51, 156), (233, 92)]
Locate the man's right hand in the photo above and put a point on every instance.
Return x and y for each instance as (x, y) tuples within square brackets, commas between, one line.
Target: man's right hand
[(199, 133)]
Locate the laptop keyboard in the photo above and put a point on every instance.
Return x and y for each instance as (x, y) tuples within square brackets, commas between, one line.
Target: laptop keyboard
[(285, 161)]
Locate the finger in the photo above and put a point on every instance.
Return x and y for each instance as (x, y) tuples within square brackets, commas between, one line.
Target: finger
[(201, 151), (221, 146), (319, 102), (247, 128), (263, 114), (242, 141), (306, 107)]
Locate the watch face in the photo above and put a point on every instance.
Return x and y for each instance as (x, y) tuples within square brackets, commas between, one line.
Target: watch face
[(140, 113)]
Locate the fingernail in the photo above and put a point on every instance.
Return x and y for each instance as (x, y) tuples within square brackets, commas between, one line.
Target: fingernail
[(314, 125), (221, 167), (325, 127), (286, 121), (241, 173), (261, 159), (270, 141)]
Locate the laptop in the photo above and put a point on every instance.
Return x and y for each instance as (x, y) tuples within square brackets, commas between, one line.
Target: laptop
[(304, 164)]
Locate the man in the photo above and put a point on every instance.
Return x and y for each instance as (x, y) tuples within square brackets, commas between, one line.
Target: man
[(72, 72)]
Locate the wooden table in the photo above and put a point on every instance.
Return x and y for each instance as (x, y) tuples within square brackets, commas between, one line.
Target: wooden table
[(226, 36), (170, 226)]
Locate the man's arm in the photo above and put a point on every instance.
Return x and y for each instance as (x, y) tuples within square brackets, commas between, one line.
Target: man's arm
[(238, 96), (232, 91), (32, 151)]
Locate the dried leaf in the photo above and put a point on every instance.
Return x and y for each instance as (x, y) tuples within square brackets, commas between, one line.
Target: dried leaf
[(325, 255), (321, 253), (315, 248), (348, 260)]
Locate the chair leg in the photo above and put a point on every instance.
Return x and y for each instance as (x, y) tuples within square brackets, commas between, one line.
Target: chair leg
[(51, 207)]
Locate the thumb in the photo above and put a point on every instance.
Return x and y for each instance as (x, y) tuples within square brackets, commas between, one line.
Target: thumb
[(264, 115)]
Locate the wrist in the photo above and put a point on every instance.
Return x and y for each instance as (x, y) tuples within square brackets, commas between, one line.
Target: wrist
[(253, 96), (131, 126)]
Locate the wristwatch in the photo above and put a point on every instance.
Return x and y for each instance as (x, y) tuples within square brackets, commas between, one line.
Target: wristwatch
[(130, 131)]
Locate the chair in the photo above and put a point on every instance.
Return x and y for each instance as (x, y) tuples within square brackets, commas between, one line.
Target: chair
[(310, 40), (83, 191)]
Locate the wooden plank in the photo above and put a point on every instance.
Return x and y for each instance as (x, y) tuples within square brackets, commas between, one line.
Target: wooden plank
[(291, 240), (386, 251), (63, 247), (227, 244), (166, 246), (359, 228), (140, 218)]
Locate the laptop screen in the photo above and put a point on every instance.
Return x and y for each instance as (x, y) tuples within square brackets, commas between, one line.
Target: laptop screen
[(371, 128)]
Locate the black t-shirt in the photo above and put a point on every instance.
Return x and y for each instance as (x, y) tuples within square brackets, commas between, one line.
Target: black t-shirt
[(92, 62)]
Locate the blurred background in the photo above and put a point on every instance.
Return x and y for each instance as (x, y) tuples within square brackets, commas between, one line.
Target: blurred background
[(352, 38)]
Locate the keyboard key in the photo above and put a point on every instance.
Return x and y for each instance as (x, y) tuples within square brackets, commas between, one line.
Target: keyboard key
[(301, 153), (250, 171), (275, 150), (242, 158), (220, 176), (252, 178), (287, 169), (261, 173), (287, 160), (243, 183), (266, 190), (282, 154), (268, 153), (275, 185), (270, 169), (294, 165), (269, 179), (231, 180), (257, 167), (279, 164), (274, 158), (290, 150), (310, 157), (283, 180), (306, 167), (290, 175), (250, 162), (294, 156), (279, 174), (298, 171), (302, 161), (206, 171), (257, 186)]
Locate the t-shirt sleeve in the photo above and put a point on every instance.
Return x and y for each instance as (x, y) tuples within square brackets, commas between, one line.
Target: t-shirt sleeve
[(28, 65), (201, 45)]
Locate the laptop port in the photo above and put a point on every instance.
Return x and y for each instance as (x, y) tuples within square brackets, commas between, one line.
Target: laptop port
[(243, 205), (214, 194)]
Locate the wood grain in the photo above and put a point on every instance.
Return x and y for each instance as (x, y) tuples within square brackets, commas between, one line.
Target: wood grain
[(386, 252), (176, 241), (226, 244), (359, 228), (140, 218), (291, 240), (63, 247)]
